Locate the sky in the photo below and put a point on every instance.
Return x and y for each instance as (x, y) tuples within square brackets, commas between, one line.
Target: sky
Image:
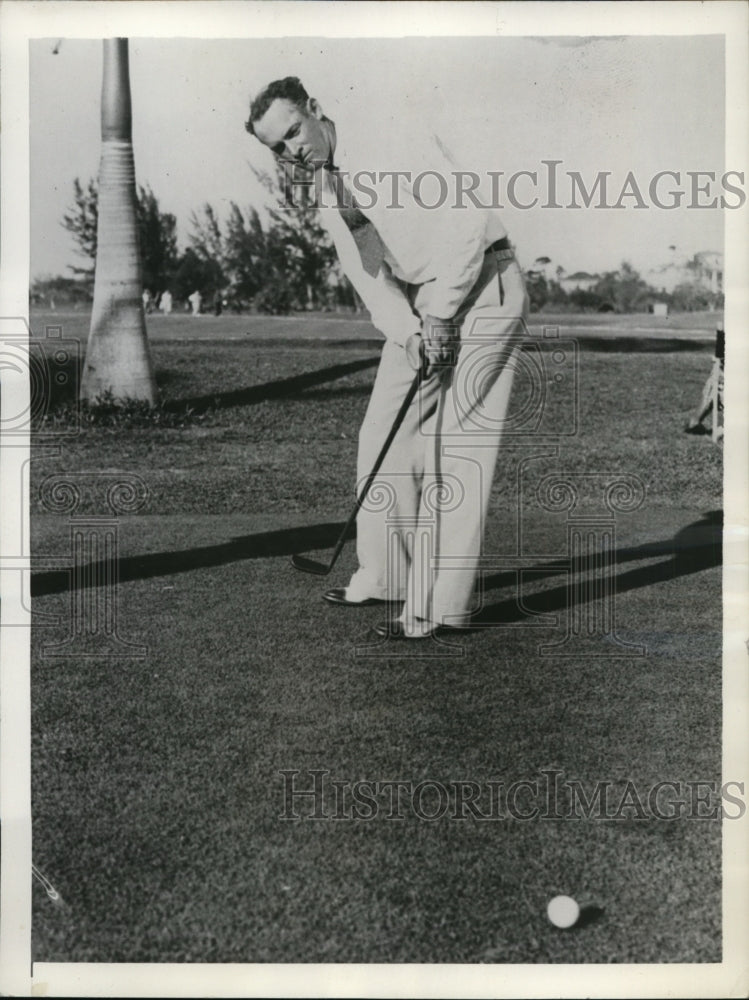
[(620, 103)]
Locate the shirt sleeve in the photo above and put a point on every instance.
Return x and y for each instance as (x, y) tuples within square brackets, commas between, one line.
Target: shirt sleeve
[(388, 306), (460, 263), (462, 238), (391, 311)]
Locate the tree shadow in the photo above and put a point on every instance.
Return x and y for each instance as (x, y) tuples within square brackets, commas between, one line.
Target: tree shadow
[(339, 392), (279, 389), (264, 545), (694, 548), (61, 391)]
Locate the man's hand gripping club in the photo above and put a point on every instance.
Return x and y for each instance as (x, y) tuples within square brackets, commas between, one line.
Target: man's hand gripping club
[(435, 348)]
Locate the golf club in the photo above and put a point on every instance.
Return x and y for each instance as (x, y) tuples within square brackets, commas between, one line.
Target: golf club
[(322, 569)]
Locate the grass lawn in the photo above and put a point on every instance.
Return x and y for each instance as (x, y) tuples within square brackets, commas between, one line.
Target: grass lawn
[(157, 785), (344, 326)]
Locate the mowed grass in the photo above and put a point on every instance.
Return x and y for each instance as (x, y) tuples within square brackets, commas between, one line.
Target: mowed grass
[(157, 785)]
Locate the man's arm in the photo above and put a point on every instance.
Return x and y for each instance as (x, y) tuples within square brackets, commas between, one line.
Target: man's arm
[(430, 342), (462, 241), (393, 316), (388, 306), (459, 234)]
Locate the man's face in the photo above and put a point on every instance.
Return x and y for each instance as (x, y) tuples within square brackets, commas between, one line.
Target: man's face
[(295, 134)]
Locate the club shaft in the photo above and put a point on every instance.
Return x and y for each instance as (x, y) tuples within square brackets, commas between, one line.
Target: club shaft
[(413, 389)]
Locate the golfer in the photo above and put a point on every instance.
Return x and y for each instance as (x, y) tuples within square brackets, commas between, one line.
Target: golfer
[(439, 278)]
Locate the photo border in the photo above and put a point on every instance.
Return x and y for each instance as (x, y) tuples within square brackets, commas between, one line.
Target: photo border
[(20, 22)]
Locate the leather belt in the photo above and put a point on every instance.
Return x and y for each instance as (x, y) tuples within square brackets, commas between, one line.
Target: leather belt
[(502, 248)]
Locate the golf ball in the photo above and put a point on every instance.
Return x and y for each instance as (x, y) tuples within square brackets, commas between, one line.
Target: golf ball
[(563, 911)]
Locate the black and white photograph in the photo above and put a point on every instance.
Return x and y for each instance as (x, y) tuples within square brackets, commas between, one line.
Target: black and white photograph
[(374, 480)]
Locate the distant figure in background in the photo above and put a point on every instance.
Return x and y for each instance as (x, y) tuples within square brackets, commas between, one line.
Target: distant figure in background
[(166, 302), (195, 300), (147, 301), (218, 304), (712, 394)]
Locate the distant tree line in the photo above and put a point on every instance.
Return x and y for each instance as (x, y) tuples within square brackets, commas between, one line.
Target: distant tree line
[(284, 264), (157, 231), (286, 261), (622, 291)]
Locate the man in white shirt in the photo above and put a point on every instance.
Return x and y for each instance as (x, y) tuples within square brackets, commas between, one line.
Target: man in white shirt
[(436, 272)]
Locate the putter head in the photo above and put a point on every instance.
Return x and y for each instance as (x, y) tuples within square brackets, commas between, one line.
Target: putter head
[(309, 565)]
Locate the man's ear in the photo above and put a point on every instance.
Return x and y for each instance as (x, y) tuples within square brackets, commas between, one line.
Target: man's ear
[(313, 106)]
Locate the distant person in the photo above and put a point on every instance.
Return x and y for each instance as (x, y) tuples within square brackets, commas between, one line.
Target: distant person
[(712, 393), (218, 304), (195, 301), (147, 301), (166, 302)]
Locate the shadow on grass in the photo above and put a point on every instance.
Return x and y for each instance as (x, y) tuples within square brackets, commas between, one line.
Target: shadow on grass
[(265, 545), (62, 391), (281, 388), (588, 915), (694, 548)]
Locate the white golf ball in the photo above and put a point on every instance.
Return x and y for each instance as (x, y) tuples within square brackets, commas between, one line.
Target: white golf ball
[(563, 911)]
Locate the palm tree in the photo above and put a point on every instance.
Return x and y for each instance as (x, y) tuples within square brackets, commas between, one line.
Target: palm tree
[(117, 356)]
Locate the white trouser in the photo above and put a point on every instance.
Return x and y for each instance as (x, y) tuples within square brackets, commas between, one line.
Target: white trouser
[(419, 532)]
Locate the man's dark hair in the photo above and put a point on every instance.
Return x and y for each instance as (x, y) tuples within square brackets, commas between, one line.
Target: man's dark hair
[(290, 89)]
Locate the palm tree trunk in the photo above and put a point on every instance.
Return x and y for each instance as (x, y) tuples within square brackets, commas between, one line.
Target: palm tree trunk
[(117, 356)]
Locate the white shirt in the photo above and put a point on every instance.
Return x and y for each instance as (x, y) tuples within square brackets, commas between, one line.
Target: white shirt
[(443, 244)]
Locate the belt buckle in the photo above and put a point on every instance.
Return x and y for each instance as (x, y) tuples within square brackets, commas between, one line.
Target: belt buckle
[(503, 254)]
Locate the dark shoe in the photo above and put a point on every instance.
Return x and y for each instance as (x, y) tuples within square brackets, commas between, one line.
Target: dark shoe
[(696, 429), (338, 596), (394, 628)]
